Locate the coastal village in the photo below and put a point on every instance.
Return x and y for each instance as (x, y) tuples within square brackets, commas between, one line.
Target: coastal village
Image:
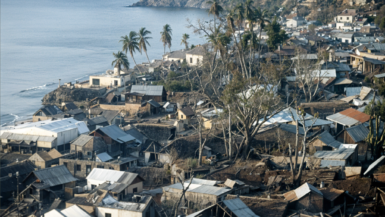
[(273, 116)]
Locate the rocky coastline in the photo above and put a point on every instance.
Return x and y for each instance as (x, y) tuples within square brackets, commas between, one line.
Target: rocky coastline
[(200, 4)]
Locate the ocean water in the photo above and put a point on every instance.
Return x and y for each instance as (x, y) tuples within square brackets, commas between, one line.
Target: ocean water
[(43, 41)]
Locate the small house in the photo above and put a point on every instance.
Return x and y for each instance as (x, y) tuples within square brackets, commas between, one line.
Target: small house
[(45, 159), (156, 152), (194, 57), (356, 135), (86, 147), (238, 186), (346, 155), (140, 206), (45, 113), (305, 197), (113, 117), (46, 181), (140, 93), (169, 107), (140, 138), (323, 142), (347, 118), (119, 183), (185, 113), (96, 122), (332, 197)]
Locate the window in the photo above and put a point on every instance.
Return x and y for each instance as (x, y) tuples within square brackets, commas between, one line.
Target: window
[(88, 168), (197, 60), (95, 81), (89, 153), (347, 18), (93, 187), (78, 167), (340, 18), (107, 215), (65, 164), (134, 190), (111, 168), (115, 83), (181, 116), (190, 60), (100, 166)]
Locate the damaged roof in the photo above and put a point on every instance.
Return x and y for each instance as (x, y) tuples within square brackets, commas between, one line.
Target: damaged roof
[(349, 117), (340, 154), (301, 191), (329, 140)]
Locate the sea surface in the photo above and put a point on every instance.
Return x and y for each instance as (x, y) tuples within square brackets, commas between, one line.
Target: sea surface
[(43, 41)]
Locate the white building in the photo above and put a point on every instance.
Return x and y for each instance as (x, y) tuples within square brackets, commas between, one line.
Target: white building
[(142, 206), (53, 133), (194, 57), (295, 22), (72, 211), (119, 183), (111, 78), (347, 16)]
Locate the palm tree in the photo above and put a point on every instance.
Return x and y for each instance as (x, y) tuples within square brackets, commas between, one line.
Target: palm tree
[(249, 13), (120, 60), (143, 40), (166, 36), (215, 9), (185, 37), (130, 43), (262, 19)]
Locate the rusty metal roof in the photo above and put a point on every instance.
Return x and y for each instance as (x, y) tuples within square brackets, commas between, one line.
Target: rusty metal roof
[(349, 117)]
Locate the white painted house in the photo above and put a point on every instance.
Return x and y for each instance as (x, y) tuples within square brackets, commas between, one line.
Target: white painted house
[(295, 22), (194, 57), (112, 78), (142, 206)]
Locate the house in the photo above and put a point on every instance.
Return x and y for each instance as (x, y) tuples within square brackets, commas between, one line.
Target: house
[(197, 196), (332, 197), (342, 69), (49, 181), (151, 107), (8, 178), (117, 140), (140, 93), (50, 134), (305, 197), (344, 37), (158, 132), (346, 155), (45, 113), (95, 122), (86, 147), (238, 186), (156, 152), (324, 141), (68, 106), (169, 107), (228, 208), (177, 56), (185, 113), (82, 168), (356, 135), (296, 22), (194, 57), (119, 183), (365, 64), (324, 109), (111, 78), (141, 206), (113, 117), (347, 16), (347, 118), (209, 117), (140, 138), (73, 210), (45, 159)]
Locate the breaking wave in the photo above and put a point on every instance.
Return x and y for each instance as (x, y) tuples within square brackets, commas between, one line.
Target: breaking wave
[(38, 87)]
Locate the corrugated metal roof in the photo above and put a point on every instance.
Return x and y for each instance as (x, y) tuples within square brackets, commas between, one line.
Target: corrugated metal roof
[(197, 188), (150, 90), (117, 134), (358, 133), (230, 183), (364, 92), (318, 122), (239, 208), (65, 124), (82, 140), (46, 139), (53, 176), (200, 211), (97, 120), (374, 165), (306, 56), (5, 135), (352, 91), (292, 129), (301, 191), (329, 140), (349, 98), (382, 75), (131, 206), (154, 103), (54, 213), (119, 180), (104, 157), (285, 116), (23, 137), (332, 163), (340, 154), (342, 81), (349, 117), (203, 182)]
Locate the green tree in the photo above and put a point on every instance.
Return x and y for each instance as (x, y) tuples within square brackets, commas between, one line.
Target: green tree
[(276, 35), (131, 44), (262, 19), (215, 9), (143, 40), (166, 37), (185, 37), (120, 60)]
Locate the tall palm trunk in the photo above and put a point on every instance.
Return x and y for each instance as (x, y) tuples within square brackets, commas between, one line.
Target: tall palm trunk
[(135, 63), (147, 57)]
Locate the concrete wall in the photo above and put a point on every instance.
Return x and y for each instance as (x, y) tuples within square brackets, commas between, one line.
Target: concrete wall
[(129, 189), (113, 107), (345, 19), (107, 81), (194, 60), (132, 108), (40, 118), (71, 166)]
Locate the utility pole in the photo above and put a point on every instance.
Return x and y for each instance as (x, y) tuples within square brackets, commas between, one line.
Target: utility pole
[(17, 196)]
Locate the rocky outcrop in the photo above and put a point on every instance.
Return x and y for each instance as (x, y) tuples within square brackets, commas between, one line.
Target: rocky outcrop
[(202, 4), (64, 94)]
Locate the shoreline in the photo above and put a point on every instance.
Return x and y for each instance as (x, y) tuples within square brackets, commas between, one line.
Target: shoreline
[(141, 6)]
